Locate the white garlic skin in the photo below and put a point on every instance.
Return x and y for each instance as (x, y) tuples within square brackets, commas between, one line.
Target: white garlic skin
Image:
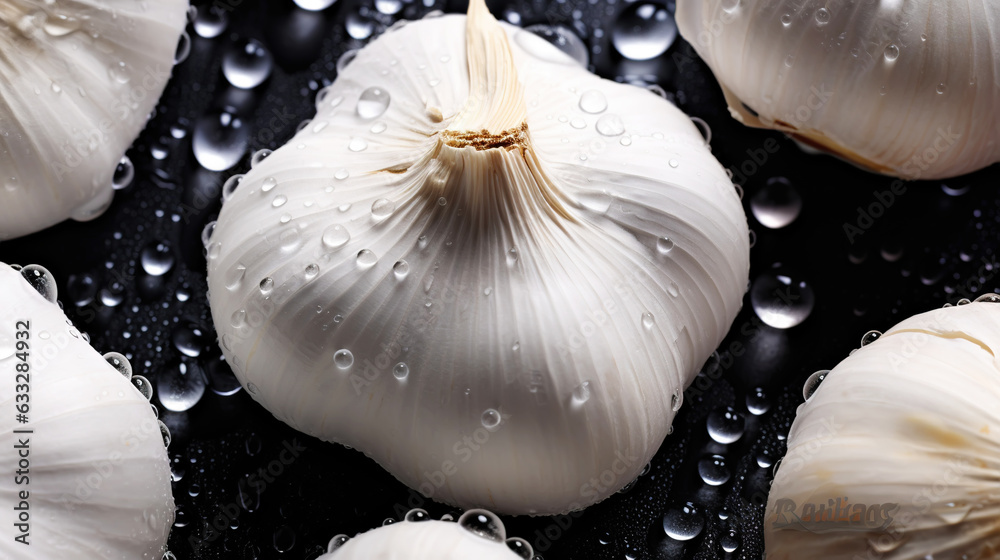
[(81, 80), (546, 335), (912, 419), (907, 88), (99, 480), (423, 540)]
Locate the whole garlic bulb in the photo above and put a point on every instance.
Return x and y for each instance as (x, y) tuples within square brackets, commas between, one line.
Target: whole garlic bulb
[(905, 88), (87, 476), (481, 265), (80, 80), (896, 455), (477, 534)]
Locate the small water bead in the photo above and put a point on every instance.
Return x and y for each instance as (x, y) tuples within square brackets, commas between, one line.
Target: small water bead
[(211, 22), (776, 205), (757, 403), (366, 258), (491, 418), (812, 384), (39, 278), (124, 174), (266, 285), (725, 425), (247, 64), (268, 184), (610, 125), (337, 542), (786, 19), (713, 470), (120, 363), (442, 201), (730, 540), (673, 163), (383, 208), (279, 201), (335, 237), (891, 53), (593, 102), (359, 26), (219, 140), (520, 547), (311, 271), (664, 245), (581, 393), (229, 187), (283, 539), (357, 145), (559, 36), (869, 337), (142, 384), (578, 124), (343, 358), (157, 259), (822, 17), (781, 301), (180, 387), (647, 321), (683, 523), (164, 433), (483, 524), (401, 269), (988, 298), (417, 515), (644, 30), (373, 103), (400, 371)]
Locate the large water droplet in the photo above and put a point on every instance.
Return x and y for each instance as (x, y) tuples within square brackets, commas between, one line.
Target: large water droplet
[(211, 22), (120, 363), (869, 337), (725, 425), (143, 386), (366, 258), (337, 542), (219, 141), (683, 523), (401, 269), (483, 524), (520, 547), (383, 208), (124, 173), (343, 358), (713, 470), (781, 301), (247, 64), (180, 386), (359, 26), (582, 393), (648, 321), (491, 418), (777, 204), (157, 259), (373, 103), (891, 53), (822, 17), (610, 125), (336, 236), (593, 102), (644, 30), (400, 371), (314, 5), (39, 278), (812, 384)]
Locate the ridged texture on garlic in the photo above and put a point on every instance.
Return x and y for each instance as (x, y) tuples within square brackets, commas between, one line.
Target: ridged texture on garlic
[(78, 81), (912, 419), (549, 287), (99, 481), (909, 88), (424, 540)]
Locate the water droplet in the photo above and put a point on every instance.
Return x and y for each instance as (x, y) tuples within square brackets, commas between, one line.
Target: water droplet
[(442, 201), (491, 419), (124, 173), (610, 125), (343, 358), (268, 184), (725, 425), (757, 402), (822, 17), (401, 269), (336, 236), (400, 371), (266, 285), (786, 19), (337, 542), (165, 434), (283, 539), (730, 540), (219, 141), (812, 384), (869, 337), (229, 187), (557, 35), (644, 30), (483, 524), (648, 321), (180, 387), (683, 523), (891, 53), (157, 259), (39, 278), (279, 201), (389, 7), (582, 393), (211, 22), (664, 245), (673, 163), (314, 5), (520, 547), (247, 64), (780, 300), (359, 26), (357, 145), (777, 204), (142, 384), (713, 470), (120, 363), (373, 103), (593, 102), (366, 258), (941, 88), (311, 271), (383, 208)]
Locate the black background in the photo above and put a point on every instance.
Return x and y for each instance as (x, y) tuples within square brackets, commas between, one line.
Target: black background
[(927, 247)]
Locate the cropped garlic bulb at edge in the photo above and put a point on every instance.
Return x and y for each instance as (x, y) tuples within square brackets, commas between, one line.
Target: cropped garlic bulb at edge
[(78, 81), (499, 296), (908, 88), (98, 482), (911, 420)]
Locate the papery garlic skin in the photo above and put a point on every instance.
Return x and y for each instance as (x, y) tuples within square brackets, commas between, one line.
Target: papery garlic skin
[(498, 297), (908, 88), (911, 420), (79, 80), (99, 478)]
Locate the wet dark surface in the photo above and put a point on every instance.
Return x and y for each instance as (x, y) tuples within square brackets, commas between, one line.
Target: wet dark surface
[(930, 243)]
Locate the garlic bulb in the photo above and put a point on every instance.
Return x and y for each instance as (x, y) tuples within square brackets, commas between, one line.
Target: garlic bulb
[(896, 455), (905, 88), (85, 471), (80, 80), (481, 265), (477, 534)]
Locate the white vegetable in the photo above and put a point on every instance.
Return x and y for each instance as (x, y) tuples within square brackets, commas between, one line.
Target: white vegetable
[(79, 80), (906, 88), (92, 479), (498, 295), (903, 440), (477, 534)]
